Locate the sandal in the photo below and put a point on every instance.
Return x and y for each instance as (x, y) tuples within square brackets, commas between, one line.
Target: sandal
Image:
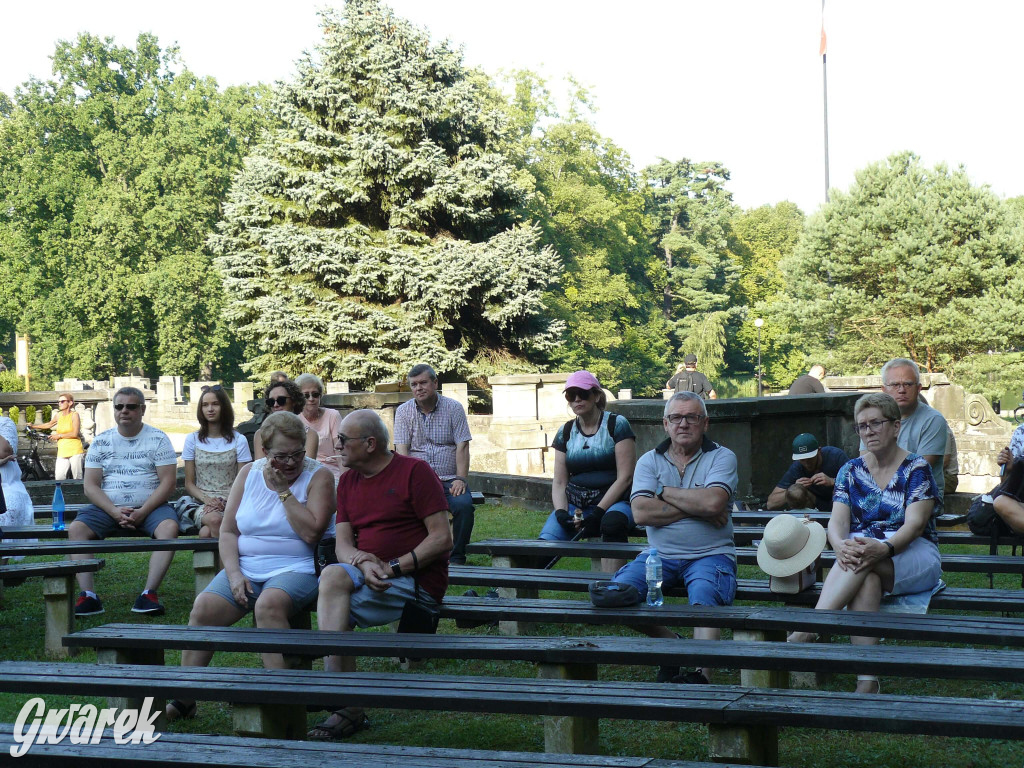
[(349, 721), (870, 679), (179, 710)]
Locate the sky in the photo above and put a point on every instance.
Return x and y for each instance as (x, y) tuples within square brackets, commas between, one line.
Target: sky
[(733, 81)]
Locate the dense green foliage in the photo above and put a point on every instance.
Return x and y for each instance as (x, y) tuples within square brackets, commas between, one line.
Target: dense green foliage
[(111, 177), (381, 226), (910, 261)]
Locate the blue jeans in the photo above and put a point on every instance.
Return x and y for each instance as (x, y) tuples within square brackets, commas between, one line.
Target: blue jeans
[(461, 507), (709, 580), (553, 530)]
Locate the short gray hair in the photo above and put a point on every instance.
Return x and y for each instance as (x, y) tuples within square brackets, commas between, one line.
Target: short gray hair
[(310, 378), (282, 423), (131, 392), (686, 396), (901, 362), (421, 368), (880, 400)]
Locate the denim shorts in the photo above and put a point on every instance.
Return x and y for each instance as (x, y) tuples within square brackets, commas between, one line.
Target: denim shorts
[(368, 608), (300, 587), (708, 580), (553, 530), (102, 524)]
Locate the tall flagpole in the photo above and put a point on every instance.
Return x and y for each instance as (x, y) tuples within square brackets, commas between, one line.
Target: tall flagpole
[(824, 88)]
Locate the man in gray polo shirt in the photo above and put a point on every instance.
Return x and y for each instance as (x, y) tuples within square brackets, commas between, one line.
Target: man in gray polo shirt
[(682, 492), (434, 428)]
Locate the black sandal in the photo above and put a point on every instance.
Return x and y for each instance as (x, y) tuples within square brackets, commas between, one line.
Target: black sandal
[(181, 710), (350, 721)]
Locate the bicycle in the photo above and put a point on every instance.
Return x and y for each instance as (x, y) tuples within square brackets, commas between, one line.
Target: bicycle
[(31, 467)]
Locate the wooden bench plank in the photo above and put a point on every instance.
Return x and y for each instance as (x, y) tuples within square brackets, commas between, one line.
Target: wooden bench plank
[(951, 598), (185, 750), (974, 630), (536, 549), (906, 661)]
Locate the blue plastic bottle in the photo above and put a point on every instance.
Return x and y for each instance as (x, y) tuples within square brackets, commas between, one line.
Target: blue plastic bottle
[(654, 579), (58, 508)]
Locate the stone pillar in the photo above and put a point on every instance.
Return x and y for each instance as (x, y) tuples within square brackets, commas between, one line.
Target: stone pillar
[(515, 397), (551, 403), (165, 391), (336, 388), (195, 389), (459, 392), (243, 393), (625, 394)]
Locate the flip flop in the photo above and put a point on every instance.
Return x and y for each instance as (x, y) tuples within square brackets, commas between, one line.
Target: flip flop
[(181, 710), (350, 721)]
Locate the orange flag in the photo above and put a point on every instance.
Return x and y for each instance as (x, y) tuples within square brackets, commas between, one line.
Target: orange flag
[(821, 48)]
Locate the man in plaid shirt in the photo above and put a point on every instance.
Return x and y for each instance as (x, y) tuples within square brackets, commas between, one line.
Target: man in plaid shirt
[(434, 428)]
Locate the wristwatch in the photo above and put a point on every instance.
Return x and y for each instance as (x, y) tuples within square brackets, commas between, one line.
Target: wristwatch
[(396, 569), (284, 496)]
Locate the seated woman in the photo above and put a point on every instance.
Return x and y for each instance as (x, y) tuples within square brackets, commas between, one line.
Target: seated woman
[(213, 457), (18, 503), (326, 422), (278, 508), (285, 396), (68, 437), (595, 455), (882, 527)]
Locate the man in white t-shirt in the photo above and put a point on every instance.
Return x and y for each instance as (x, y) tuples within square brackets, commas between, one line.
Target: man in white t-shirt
[(129, 474)]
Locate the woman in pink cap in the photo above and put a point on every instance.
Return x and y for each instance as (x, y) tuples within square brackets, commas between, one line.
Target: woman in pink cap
[(595, 454)]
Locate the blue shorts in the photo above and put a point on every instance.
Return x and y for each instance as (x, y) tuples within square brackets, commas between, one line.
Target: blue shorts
[(368, 608), (708, 580), (102, 524), (300, 587), (553, 530)]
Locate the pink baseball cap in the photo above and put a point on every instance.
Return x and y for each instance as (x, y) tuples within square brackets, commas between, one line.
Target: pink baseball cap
[(582, 380)]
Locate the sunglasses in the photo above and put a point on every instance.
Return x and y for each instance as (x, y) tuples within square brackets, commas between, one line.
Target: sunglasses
[(63, 400), (279, 400), (574, 393), (207, 388), (311, 395), (342, 439), (129, 406)]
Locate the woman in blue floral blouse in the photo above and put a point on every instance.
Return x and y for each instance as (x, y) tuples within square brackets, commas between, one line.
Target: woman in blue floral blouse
[(882, 525)]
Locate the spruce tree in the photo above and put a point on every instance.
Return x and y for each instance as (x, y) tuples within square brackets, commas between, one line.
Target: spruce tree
[(379, 227)]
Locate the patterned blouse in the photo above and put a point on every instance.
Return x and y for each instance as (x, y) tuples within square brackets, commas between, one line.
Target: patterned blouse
[(876, 511)]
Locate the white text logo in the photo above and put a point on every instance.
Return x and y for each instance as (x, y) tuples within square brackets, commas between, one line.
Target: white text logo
[(82, 725)]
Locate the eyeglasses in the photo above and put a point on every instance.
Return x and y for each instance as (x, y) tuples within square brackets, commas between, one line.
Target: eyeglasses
[(901, 384), (311, 395), (573, 393), (870, 426), (129, 406), (279, 400), (287, 458), (690, 418), (208, 388), (342, 439)]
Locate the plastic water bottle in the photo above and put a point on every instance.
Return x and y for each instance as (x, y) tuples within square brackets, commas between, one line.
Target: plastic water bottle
[(654, 579), (58, 508)]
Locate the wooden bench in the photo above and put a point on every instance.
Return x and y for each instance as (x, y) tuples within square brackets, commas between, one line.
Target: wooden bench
[(525, 553), (525, 582), (174, 750), (742, 721), (748, 534), (58, 595), (205, 558)]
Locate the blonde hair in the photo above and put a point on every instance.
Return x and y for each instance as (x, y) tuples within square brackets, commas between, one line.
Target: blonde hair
[(282, 423)]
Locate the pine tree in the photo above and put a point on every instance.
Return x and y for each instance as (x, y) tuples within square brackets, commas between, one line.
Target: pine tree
[(379, 227)]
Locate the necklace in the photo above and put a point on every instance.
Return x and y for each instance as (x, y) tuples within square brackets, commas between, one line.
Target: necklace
[(584, 435)]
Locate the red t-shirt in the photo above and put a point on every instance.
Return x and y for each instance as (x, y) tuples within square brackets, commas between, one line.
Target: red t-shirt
[(386, 513)]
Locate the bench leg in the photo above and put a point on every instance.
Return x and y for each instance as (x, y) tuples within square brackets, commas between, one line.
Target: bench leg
[(744, 744), (762, 678), (58, 595), (206, 565), (270, 721), (566, 734), (525, 593)]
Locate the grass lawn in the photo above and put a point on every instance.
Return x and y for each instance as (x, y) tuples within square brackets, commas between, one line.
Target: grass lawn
[(119, 582)]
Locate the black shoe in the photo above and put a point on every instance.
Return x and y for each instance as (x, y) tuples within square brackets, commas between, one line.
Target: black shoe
[(88, 606), (148, 603), (666, 674), (693, 677)]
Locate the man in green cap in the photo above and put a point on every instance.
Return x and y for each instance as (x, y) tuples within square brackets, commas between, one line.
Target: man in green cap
[(814, 467)]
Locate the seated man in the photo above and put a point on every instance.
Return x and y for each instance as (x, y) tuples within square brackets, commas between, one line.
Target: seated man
[(682, 492), (395, 507), (814, 468), (130, 471)]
